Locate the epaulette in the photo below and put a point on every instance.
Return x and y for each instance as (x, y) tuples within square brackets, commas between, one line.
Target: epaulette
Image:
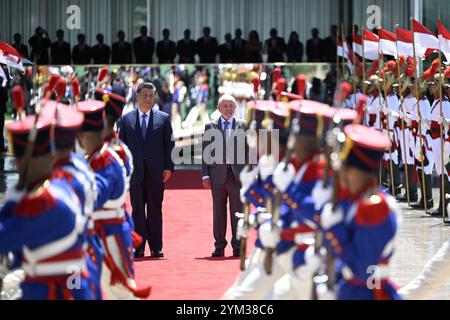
[(35, 202), (120, 151), (101, 160), (372, 211), (315, 170)]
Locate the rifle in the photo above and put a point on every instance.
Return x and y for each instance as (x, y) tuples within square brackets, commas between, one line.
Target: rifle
[(252, 143), (326, 275)]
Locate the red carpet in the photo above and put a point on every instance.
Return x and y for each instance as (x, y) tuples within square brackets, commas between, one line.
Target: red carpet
[(188, 272)]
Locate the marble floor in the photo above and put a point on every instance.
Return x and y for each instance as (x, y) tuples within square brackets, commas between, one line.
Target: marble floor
[(419, 238)]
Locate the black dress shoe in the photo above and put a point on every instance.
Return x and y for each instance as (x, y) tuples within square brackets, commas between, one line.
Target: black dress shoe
[(236, 253), (157, 254), (420, 206), (218, 253), (139, 254), (436, 213)]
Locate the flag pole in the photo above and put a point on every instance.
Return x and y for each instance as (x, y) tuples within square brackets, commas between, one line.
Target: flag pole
[(420, 126), (355, 79), (441, 128), (400, 89)]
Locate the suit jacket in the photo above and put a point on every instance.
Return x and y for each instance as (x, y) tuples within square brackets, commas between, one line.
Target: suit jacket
[(275, 53), (226, 54), (315, 52), (166, 54), (22, 49), (121, 55), (218, 171), (101, 54), (186, 51), (81, 56), (61, 55), (144, 51), (239, 52), (207, 51), (156, 151)]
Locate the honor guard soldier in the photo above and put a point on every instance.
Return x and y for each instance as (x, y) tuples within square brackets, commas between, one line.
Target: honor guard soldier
[(109, 217), (76, 171), (290, 235), (114, 105), (360, 234), (437, 87), (421, 144), (46, 223)]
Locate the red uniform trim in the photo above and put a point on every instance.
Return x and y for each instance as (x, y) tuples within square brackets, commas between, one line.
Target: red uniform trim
[(370, 213)]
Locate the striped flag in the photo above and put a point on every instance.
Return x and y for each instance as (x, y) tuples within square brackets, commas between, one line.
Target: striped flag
[(357, 45), (13, 58), (425, 41), (371, 43), (405, 42), (444, 40), (340, 49), (388, 42)]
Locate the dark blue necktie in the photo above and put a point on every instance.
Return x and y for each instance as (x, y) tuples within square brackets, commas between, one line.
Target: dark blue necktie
[(144, 126)]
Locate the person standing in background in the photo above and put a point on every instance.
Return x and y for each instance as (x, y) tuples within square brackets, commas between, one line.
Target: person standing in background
[(144, 47), (148, 134), (222, 178)]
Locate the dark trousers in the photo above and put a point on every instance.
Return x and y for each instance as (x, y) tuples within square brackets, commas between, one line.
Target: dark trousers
[(2, 127), (220, 194), (148, 223)]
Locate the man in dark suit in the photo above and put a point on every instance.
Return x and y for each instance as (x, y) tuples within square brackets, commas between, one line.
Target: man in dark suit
[(60, 50), (19, 46), (207, 47), (148, 134), (166, 50), (101, 52), (315, 47), (186, 48), (81, 53), (226, 52), (220, 172), (40, 43), (275, 47), (239, 45), (330, 45), (121, 50), (144, 47)]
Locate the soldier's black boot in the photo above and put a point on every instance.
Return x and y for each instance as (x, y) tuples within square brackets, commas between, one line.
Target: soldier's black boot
[(412, 187), (438, 211), (396, 176)]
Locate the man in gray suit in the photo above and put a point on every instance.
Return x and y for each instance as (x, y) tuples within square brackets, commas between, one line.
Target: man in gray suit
[(224, 157)]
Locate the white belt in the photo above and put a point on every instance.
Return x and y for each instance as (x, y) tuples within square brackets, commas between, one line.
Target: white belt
[(304, 238), (68, 267), (51, 249), (108, 214)]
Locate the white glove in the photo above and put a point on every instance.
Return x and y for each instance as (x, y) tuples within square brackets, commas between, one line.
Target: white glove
[(330, 218), (379, 108), (443, 121), (242, 230), (408, 120), (248, 175), (312, 260), (269, 236), (267, 165), (282, 177), (321, 195)]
